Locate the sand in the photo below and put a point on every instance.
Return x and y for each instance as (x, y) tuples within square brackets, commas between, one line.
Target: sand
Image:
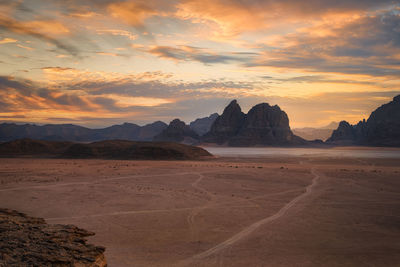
[(265, 211)]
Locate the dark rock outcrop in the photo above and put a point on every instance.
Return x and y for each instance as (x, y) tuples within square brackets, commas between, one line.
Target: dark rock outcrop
[(227, 125), (177, 131), (381, 129), (344, 134), (203, 125), (110, 149), (29, 241), (264, 125)]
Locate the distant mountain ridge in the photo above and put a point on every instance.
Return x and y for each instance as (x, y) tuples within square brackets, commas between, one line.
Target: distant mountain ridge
[(381, 129), (70, 132), (312, 133)]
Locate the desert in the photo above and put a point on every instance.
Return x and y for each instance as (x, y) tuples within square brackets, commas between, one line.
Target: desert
[(302, 208)]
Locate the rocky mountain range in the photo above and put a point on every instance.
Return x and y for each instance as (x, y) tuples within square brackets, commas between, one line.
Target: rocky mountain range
[(263, 125), (382, 128)]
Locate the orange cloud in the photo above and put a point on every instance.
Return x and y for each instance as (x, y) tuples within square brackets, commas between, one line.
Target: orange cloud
[(229, 18), (8, 40), (117, 32), (131, 13), (50, 27), (25, 47)]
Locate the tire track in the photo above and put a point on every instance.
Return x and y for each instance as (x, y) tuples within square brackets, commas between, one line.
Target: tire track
[(251, 228)]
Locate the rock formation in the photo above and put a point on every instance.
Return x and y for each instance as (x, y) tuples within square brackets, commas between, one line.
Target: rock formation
[(203, 125), (263, 125), (344, 134), (226, 125), (381, 129), (177, 131), (29, 241)]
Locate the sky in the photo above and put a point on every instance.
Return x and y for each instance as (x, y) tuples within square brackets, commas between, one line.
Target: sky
[(102, 62)]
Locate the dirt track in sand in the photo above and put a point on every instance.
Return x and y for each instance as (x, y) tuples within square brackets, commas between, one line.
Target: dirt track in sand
[(223, 212)]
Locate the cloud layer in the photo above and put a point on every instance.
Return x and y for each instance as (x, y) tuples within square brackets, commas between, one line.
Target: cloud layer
[(148, 60)]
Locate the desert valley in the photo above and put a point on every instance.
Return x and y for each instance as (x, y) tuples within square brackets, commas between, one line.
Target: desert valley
[(309, 210), (209, 133)]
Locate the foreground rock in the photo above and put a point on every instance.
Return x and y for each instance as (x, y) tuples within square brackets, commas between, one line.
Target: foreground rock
[(112, 149), (381, 129), (29, 241)]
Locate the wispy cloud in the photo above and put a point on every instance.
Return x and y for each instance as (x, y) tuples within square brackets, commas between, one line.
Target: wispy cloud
[(190, 53)]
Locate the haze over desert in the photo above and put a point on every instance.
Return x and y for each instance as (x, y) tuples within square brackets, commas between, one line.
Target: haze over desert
[(267, 210)]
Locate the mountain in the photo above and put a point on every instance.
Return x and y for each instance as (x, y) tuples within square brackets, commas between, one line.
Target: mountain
[(110, 149), (70, 132), (11, 131), (263, 125), (381, 129), (322, 133), (148, 131), (227, 125), (202, 125), (177, 131)]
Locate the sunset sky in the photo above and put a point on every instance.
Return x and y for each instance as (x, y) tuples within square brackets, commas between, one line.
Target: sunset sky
[(106, 62)]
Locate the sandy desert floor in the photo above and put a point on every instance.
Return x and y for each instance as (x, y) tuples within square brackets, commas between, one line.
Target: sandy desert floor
[(272, 211)]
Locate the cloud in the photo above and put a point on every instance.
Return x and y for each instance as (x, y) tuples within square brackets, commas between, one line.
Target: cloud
[(132, 13), (8, 40), (368, 45), (189, 53), (24, 28), (229, 18), (117, 32)]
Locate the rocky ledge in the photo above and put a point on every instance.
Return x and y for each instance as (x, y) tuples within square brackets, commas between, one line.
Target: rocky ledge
[(29, 241)]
